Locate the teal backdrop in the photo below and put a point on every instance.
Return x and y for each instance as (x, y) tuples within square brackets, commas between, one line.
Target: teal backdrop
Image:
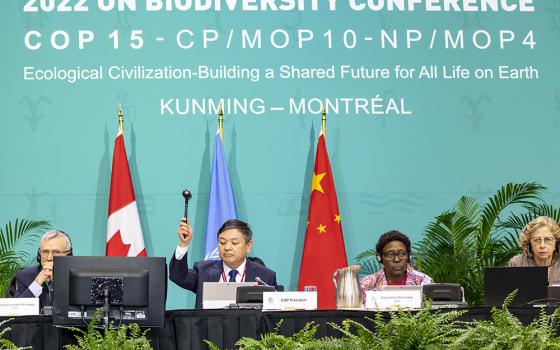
[(391, 171)]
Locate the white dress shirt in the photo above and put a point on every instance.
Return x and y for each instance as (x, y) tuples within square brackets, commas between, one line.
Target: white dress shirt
[(181, 251), (240, 272)]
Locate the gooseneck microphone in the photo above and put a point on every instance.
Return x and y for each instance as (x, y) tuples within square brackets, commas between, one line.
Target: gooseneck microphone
[(258, 279), (187, 195)]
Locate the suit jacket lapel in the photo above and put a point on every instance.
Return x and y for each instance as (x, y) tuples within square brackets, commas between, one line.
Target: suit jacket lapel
[(215, 271), (251, 271)]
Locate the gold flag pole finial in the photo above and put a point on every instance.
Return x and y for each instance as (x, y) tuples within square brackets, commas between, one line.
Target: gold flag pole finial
[(324, 120), (221, 122), (121, 120)]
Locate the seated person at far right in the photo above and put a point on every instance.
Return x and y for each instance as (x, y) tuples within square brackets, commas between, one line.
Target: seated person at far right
[(539, 243)]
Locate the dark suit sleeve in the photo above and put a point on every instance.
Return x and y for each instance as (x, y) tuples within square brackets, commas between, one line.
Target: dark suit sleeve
[(19, 288), (273, 279), (25, 294), (268, 276), (274, 283), (11, 291), (181, 275)]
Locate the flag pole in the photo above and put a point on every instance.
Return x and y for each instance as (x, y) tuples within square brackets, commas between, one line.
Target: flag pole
[(324, 121), (221, 122), (121, 120)]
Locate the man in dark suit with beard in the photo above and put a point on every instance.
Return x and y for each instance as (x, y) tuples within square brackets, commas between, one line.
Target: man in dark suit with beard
[(235, 240)]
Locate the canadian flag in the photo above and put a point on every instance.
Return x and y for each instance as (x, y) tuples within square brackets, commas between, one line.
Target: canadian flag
[(124, 234)]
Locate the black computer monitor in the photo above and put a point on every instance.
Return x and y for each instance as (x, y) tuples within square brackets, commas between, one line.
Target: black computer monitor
[(134, 288), (531, 284)]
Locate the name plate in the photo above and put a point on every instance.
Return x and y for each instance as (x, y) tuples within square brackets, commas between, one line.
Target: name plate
[(394, 299), (290, 300), (19, 306)]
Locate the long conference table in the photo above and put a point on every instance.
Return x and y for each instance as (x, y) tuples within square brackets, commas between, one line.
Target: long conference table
[(186, 329)]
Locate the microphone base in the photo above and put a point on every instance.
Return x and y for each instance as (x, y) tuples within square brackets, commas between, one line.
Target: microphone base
[(46, 311), (252, 306)]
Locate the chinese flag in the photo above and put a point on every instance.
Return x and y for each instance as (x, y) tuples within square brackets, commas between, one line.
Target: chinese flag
[(323, 250), (124, 234)]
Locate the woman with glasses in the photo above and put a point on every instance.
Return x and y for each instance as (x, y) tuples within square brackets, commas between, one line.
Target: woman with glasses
[(393, 252), (539, 243)]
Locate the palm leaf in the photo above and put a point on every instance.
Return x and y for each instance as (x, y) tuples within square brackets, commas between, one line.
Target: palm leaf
[(22, 232), (447, 242), (369, 267), (469, 208), (507, 249), (6, 257), (545, 210), (516, 222), (523, 193), (12, 234), (368, 262), (366, 254)]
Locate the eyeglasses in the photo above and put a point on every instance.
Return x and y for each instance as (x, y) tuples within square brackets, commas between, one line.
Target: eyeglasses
[(546, 240), (393, 255), (54, 252)]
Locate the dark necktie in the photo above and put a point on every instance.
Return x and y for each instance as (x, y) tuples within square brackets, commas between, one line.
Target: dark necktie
[(232, 274)]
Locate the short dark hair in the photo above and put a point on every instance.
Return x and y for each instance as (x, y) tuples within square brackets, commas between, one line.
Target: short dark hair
[(390, 236), (242, 226)]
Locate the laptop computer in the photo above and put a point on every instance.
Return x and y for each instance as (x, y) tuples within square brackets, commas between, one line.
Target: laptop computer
[(218, 295), (531, 284)]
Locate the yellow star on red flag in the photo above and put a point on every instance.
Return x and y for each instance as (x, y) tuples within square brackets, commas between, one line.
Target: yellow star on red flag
[(316, 182), (323, 249)]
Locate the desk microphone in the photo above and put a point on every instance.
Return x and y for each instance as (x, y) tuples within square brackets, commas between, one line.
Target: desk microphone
[(258, 279)]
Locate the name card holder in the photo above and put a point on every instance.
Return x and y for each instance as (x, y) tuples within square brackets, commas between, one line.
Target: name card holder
[(394, 299), (290, 300), (19, 306)]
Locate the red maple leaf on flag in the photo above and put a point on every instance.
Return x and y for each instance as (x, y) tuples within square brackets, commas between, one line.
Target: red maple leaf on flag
[(116, 247), (124, 233)]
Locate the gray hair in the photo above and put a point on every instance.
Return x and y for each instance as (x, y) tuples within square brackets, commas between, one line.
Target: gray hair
[(55, 234), (533, 226)]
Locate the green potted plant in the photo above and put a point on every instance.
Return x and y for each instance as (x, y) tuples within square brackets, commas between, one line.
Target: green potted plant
[(516, 222), (6, 344), (425, 329), (126, 337), (405, 330), (461, 242), (13, 237), (505, 331)]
